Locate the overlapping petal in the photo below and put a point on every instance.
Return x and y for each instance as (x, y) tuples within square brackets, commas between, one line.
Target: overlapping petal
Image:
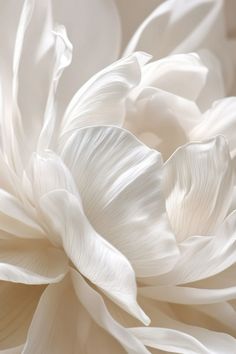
[(102, 99), (69, 227), (218, 119), (120, 184), (83, 312), (197, 202)]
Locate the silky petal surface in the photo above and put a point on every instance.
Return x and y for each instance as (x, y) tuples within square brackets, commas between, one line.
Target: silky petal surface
[(112, 170), (219, 119), (101, 100), (197, 202)]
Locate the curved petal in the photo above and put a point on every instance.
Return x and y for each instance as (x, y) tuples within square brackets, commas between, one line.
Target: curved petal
[(202, 258), (63, 57), (96, 307), (93, 256), (214, 88), (223, 313), (15, 220), (162, 120), (31, 262), (120, 184), (184, 330), (18, 303), (76, 310), (182, 27), (89, 24), (196, 201), (173, 33), (219, 119), (188, 295), (181, 74), (102, 99), (30, 74), (130, 19), (47, 172), (186, 340)]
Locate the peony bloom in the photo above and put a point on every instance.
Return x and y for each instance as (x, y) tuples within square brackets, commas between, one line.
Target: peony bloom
[(98, 236)]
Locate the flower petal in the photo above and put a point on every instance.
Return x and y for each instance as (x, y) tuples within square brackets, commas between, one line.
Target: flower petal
[(197, 201), (120, 184), (188, 340), (102, 99), (15, 220), (162, 120), (18, 303), (180, 27), (80, 311), (31, 262), (33, 36), (181, 74), (219, 119), (203, 257), (173, 33), (96, 307), (63, 57), (93, 256)]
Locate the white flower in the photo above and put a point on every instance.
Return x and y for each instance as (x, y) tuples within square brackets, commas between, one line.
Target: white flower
[(86, 209), (85, 219)]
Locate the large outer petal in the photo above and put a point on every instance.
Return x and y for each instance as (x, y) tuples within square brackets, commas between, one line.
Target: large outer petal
[(197, 202), (68, 226), (69, 318), (120, 183), (18, 303)]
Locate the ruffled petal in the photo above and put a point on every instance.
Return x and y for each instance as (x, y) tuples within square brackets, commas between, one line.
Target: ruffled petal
[(102, 99), (120, 184), (197, 202)]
